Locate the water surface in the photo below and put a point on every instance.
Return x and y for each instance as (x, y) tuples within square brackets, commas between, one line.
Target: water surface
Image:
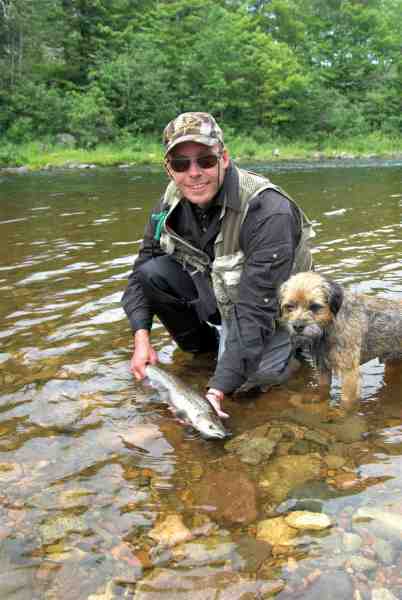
[(92, 464)]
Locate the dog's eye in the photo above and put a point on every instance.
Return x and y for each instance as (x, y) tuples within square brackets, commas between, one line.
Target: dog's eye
[(289, 307), (315, 307)]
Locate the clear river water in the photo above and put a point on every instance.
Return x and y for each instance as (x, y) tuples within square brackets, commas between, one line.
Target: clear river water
[(104, 494)]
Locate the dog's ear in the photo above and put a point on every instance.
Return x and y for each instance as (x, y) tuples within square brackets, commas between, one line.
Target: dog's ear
[(280, 294), (335, 296)]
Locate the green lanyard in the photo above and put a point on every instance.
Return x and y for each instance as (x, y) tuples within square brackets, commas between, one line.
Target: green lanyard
[(159, 219)]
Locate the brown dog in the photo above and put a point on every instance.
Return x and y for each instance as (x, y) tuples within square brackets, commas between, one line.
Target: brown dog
[(340, 329)]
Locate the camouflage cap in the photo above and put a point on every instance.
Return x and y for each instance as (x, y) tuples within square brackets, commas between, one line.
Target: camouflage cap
[(197, 127)]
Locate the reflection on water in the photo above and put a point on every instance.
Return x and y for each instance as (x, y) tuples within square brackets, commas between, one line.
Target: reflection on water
[(103, 494)]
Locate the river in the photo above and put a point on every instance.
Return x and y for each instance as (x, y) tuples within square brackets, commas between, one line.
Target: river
[(104, 494)]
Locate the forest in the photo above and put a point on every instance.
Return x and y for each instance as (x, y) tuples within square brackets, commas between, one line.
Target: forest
[(106, 71)]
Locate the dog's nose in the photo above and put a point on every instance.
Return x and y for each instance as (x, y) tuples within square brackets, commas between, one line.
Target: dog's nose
[(298, 326)]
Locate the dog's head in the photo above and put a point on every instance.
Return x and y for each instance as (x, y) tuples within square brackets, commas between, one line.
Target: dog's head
[(309, 303)]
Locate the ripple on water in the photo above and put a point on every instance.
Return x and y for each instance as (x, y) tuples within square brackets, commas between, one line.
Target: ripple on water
[(91, 463)]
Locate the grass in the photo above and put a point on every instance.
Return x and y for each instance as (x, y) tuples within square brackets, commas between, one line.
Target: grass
[(148, 150)]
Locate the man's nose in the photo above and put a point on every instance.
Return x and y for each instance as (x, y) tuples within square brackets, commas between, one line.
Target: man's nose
[(194, 169)]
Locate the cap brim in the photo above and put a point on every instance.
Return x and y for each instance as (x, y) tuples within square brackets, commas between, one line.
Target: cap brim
[(198, 139)]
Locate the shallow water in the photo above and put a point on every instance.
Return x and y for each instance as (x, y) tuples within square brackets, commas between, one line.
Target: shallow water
[(93, 465)]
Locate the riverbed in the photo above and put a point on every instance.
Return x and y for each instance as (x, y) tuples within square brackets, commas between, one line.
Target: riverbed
[(104, 494)]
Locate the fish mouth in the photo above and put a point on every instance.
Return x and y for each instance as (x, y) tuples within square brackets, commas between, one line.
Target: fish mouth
[(215, 435)]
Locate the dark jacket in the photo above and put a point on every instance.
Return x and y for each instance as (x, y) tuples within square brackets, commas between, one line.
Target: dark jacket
[(268, 238)]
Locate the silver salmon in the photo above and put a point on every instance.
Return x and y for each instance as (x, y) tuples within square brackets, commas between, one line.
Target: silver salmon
[(188, 405)]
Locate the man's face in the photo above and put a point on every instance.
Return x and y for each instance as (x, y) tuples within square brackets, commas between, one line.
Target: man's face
[(199, 185)]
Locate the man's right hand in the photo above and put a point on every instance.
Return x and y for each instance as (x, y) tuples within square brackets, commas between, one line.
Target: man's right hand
[(143, 354)]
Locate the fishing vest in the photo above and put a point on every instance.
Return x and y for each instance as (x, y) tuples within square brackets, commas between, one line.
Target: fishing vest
[(226, 268)]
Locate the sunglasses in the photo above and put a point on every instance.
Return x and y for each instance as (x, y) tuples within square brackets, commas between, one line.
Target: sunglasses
[(182, 164)]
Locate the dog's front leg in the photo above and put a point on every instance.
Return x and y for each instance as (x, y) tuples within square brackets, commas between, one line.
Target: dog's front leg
[(324, 380), (350, 388)]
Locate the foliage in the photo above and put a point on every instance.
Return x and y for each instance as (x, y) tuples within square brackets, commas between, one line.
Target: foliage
[(89, 117), (110, 69)]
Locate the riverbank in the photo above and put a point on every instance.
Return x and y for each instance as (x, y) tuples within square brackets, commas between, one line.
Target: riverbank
[(148, 151)]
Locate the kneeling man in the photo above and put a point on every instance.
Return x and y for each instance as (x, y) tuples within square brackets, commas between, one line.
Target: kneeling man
[(217, 246)]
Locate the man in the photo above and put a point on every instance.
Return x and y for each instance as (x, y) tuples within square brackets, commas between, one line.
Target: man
[(217, 246)]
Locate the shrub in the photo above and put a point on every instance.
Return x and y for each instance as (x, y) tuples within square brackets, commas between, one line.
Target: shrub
[(90, 118)]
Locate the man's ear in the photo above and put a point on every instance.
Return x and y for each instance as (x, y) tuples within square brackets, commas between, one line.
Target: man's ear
[(226, 158)]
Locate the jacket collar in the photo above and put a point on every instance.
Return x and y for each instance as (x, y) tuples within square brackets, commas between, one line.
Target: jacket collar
[(229, 196)]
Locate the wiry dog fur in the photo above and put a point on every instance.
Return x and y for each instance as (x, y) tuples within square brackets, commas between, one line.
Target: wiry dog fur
[(340, 329)]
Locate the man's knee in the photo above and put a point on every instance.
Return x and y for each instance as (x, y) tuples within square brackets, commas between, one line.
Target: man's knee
[(163, 275), (150, 272)]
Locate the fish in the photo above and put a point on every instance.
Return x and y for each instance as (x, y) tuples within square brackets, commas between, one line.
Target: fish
[(188, 405)]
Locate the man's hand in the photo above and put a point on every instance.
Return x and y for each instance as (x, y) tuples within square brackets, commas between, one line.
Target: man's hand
[(215, 397), (143, 354)]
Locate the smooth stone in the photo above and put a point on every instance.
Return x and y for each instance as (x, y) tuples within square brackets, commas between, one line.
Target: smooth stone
[(306, 520), (170, 531), (276, 532)]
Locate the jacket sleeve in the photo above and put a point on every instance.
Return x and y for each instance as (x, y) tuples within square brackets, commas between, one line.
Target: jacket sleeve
[(134, 302), (268, 238)]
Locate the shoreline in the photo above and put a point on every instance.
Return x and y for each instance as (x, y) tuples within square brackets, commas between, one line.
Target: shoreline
[(146, 152), (76, 165)]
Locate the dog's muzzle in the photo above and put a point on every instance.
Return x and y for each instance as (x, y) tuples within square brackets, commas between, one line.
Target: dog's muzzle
[(306, 330)]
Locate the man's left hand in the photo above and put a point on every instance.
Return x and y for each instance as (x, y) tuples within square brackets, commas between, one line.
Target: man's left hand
[(215, 397)]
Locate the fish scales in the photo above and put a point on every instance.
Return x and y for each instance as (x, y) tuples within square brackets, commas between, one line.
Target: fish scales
[(188, 404)]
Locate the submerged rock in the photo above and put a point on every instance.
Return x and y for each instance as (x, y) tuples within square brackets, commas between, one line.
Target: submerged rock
[(229, 496), (57, 528), (255, 445), (276, 532), (206, 551), (195, 584), (343, 429), (305, 520), (170, 531), (286, 473)]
